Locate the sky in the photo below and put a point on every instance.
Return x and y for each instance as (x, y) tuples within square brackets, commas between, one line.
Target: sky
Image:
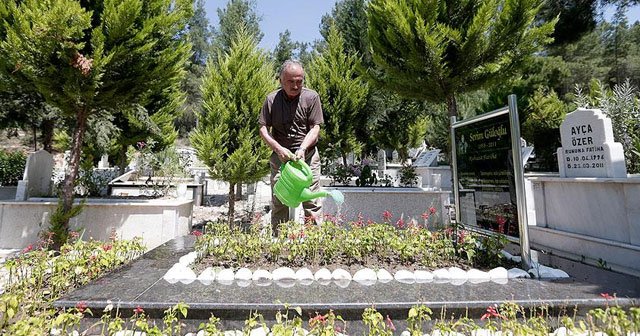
[(302, 18)]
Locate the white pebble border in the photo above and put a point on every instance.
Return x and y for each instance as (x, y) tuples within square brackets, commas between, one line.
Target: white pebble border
[(287, 277)]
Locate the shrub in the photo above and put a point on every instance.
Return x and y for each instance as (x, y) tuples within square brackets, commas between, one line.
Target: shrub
[(11, 167)]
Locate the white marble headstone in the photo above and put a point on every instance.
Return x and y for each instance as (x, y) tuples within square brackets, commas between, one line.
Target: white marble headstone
[(37, 174), (588, 149), (427, 159), (104, 161)]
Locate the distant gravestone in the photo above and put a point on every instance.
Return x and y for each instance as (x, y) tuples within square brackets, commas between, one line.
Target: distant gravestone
[(36, 180), (427, 159), (104, 162), (382, 159), (588, 149)]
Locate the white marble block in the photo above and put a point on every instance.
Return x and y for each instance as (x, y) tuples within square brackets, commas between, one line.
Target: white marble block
[(588, 148)]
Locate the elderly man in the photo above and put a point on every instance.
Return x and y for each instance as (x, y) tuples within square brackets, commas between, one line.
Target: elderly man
[(290, 122)]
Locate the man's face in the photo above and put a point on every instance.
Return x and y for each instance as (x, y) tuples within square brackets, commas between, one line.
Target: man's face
[(291, 80)]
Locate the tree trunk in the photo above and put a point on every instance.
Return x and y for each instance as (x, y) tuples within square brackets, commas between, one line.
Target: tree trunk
[(238, 191), (452, 105), (122, 159), (47, 127), (70, 179), (344, 158), (232, 203)]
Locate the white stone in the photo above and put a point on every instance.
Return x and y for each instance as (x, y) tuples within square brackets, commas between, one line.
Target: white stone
[(456, 273), (515, 273), (207, 276), (588, 148), (384, 276), (129, 333), (475, 274), (437, 332), (499, 273), (545, 272), (225, 276), (243, 274), (243, 283), (233, 333), (180, 273), (283, 273), (259, 332), (405, 276), (188, 258), (405, 333), (340, 274), (365, 276), (262, 275), (322, 274), (441, 274), (304, 274), (423, 276), (342, 283)]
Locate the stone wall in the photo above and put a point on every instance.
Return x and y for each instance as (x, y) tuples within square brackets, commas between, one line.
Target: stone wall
[(157, 221)]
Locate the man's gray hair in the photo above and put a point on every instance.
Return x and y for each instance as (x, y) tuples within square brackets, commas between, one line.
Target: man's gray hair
[(289, 63)]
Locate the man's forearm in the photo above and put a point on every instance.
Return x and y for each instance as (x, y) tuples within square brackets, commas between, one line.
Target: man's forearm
[(311, 138)]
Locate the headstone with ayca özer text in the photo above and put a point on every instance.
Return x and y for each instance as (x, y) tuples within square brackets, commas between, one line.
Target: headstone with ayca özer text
[(588, 148)]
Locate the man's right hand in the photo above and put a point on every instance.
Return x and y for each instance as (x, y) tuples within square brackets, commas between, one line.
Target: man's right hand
[(285, 155)]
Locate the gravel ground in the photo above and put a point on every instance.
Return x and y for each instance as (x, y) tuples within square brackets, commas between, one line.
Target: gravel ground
[(216, 205)]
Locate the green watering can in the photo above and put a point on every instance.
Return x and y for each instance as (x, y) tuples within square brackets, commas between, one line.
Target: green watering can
[(293, 186)]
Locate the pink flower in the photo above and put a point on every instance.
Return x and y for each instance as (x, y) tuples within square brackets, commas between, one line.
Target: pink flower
[(607, 296), (432, 210), (27, 249), (389, 324), (196, 233), (492, 312), (400, 223), (386, 215), (81, 306), (138, 310), (501, 221), (425, 216), (107, 247)]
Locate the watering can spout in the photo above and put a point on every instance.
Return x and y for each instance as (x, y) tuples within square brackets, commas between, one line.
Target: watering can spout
[(308, 195)]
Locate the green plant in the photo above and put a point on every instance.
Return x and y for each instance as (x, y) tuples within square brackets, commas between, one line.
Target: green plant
[(408, 176), (366, 177), (11, 167)]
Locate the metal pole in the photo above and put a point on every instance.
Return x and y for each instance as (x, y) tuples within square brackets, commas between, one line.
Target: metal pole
[(454, 169), (518, 168)]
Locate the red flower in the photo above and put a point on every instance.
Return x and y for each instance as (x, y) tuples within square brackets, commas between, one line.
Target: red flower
[(29, 248), (318, 319), (432, 210), (81, 306), (138, 310), (390, 324), (400, 223), (386, 215), (292, 236), (501, 221), (107, 247), (425, 216), (196, 233), (492, 312), (607, 296)]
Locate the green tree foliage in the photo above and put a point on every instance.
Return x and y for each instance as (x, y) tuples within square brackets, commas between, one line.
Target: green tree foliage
[(545, 113), (238, 14), (575, 18), (622, 105), (92, 58), (350, 17), (435, 49), (226, 139), (403, 125), (343, 92), (199, 34)]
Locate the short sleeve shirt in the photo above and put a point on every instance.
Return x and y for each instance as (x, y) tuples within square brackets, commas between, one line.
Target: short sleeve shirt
[(291, 119)]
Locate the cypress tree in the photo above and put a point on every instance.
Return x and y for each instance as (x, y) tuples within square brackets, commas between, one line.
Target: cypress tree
[(435, 50), (226, 139), (342, 91)]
